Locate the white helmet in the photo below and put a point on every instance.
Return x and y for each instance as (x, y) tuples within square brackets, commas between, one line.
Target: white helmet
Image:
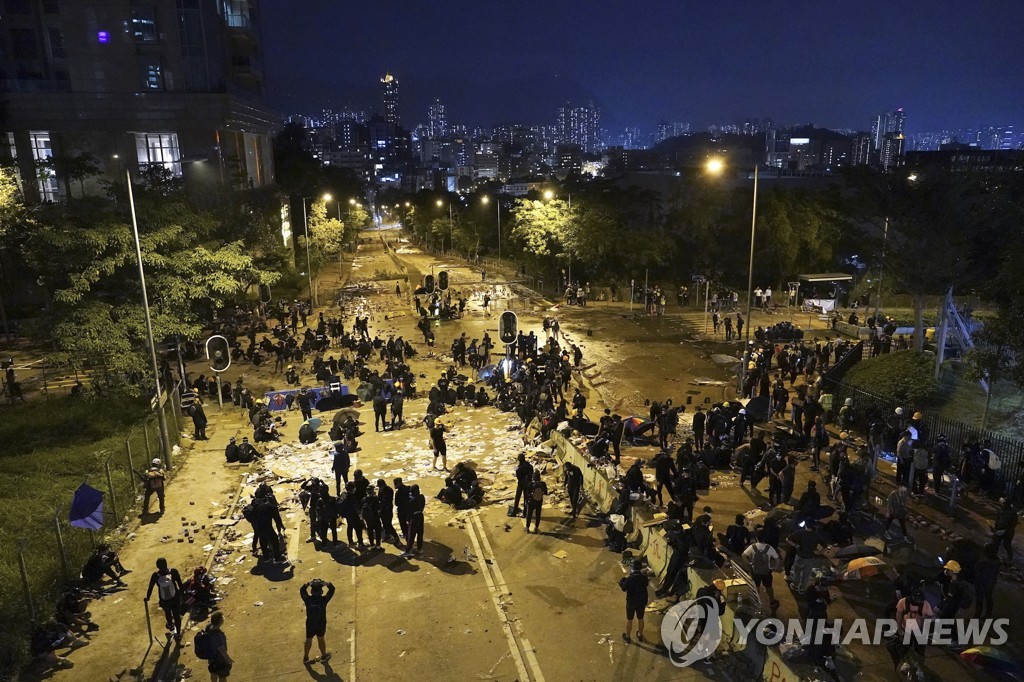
[(157, 462)]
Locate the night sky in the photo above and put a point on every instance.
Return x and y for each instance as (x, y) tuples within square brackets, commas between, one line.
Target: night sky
[(826, 62)]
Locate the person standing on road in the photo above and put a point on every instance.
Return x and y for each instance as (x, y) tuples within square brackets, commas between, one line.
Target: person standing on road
[(397, 407), (305, 400), (896, 506), (573, 487), (340, 465), (1004, 529), (535, 502), (403, 500), (440, 445), (316, 601), (524, 474), (386, 509), (941, 460), (635, 586), (417, 504), (167, 582), (699, 419), (763, 560), (199, 420), (154, 479)]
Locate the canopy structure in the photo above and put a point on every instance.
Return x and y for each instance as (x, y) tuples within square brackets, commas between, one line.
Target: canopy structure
[(824, 304), (826, 277)]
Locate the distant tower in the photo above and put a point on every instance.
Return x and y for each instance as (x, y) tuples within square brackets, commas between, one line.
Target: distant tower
[(438, 126), (887, 122), (389, 93)]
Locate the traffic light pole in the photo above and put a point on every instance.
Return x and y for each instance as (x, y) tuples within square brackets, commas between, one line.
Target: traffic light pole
[(220, 394), (161, 418)]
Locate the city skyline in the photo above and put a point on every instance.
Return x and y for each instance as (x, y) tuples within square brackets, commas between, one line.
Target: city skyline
[(700, 65)]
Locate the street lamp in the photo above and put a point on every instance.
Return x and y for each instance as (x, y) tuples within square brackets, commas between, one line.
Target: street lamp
[(497, 205), (715, 166), (305, 226)]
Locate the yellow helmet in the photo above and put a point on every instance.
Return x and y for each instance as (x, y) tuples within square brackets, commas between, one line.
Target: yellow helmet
[(952, 566)]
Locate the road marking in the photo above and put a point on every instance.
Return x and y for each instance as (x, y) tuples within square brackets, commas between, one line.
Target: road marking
[(352, 637), (513, 646)]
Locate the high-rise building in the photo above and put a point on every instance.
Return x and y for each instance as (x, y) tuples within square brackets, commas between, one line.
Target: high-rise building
[(389, 96), (437, 127), (863, 149), (580, 126), (892, 151), (667, 130), (175, 84), (887, 122)]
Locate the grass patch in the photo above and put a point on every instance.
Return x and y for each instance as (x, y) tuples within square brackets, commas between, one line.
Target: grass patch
[(49, 449), (905, 377)]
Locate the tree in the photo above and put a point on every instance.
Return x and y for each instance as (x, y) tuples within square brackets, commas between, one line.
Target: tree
[(75, 168), (932, 219), (326, 238), (540, 228)]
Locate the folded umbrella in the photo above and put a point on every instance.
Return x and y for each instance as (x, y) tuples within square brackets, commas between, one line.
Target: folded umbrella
[(86, 508)]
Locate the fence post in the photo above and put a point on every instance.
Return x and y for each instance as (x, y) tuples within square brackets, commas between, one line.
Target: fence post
[(175, 406), (110, 487), (131, 464), (145, 434), (149, 623), (60, 544), (24, 580)]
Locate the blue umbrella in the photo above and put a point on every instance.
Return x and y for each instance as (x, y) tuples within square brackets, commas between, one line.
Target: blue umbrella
[(315, 422), (86, 508)]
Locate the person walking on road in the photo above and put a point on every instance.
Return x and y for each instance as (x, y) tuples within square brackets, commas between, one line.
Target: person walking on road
[(386, 510), (574, 488), (402, 502), (168, 585), (524, 475), (763, 560), (220, 662), (535, 502), (316, 601), (440, 445), (635, 586), (417, 504)]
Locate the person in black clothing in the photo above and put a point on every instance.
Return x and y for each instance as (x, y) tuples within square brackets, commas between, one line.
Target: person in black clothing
[(402, 502), (737, 536), (1005, 528), (349, 507), (386, 509), (439, 444), (316, 601), (685, 494), (417, 503), (340, 465), (314, 489), (986, 574), (231, 452), (524, 475), (699, 419), (380, 412), (635, 586), (247, 452), (397, 407), (573, 478), (617, 430), (326, 519), (776, 465), (266, 515), (305, 400), (941, 461), (810, 501), (664, 473), (220, 664), (167, 582), (370, 513), (535, 502), (677, 580), (199, 420)]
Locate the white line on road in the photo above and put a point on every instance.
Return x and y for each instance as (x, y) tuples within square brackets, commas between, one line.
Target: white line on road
[(352, 637), (513, 646)]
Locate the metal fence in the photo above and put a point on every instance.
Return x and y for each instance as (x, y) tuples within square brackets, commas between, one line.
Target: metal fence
[(52, 557), (869, 406)]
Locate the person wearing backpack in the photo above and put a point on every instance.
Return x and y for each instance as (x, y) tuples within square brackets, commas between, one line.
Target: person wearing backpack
[(167, 582), (211, 645), (316, 601), (763, 560), (535, 501), (896, 505)]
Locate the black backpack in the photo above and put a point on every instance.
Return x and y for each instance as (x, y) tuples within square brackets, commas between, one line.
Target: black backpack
[(203, 645)]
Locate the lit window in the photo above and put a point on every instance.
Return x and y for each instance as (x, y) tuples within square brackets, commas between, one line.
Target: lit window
[(144, 24), (152, 75), (159, 149), (42, 152)]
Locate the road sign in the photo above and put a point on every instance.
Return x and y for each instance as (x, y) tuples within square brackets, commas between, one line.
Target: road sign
[(218, 352), (508, 327)]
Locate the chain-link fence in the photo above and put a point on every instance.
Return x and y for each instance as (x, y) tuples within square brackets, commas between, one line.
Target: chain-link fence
[(51, 553)]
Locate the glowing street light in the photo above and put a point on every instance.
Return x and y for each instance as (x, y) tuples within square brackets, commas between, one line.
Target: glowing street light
[(715, 166), (549, 195)]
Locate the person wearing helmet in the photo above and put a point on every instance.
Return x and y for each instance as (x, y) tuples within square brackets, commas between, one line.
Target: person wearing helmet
[(941, 459), (911, 613), (635, 586), (153, 482), (954, 591), (846, 414)]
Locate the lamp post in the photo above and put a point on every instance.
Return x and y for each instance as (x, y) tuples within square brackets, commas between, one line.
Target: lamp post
[(715, 166), (305, 226), (161, 418), (451, 226), (497, 206)]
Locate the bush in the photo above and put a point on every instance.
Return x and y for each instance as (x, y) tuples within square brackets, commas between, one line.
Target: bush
[(905, 376)]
